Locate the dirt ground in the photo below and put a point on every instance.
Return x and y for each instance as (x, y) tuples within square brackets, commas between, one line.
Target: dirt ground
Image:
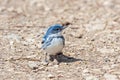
[(93, 36)]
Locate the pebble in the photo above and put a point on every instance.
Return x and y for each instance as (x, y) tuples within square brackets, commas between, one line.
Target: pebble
[(50, 76), (106, 67), (78, 33), (33, 65), (13, 37), (96, 71), (110, 77), (93, 27), (104, 50), (92, 78), (44, 63)]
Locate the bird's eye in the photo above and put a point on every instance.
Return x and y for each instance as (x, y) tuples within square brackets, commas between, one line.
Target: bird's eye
[(57, 29)]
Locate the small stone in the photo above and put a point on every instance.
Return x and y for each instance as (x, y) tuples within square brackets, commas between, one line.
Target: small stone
[(50, 76), (56, 66), (43, 79), (108, 3), (117, 72), (105, 50), (13, 37), (86, 72), (96, 71), (118, 58), (33, 65), (2, 8), (19, 10), (91, 78), (94, 27), (110, 77), (114, 65), (44, 63), (11, 9), (30, 40), (78, 33), (106, 67)]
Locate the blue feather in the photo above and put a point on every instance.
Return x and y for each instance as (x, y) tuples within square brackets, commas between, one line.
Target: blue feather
[(49, 31)]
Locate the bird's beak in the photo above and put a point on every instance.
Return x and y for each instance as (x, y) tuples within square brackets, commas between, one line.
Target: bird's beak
[(65, 27)]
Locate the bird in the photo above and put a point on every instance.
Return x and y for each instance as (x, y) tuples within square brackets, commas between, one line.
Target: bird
[(53, 41)]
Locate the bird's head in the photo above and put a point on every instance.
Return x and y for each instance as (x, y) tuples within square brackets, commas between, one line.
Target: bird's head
[(57, 28), (54, 29)]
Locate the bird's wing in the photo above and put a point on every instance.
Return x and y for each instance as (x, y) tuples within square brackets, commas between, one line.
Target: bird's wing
[(46, 35), (46, 42), (63, 40), (44, 38)]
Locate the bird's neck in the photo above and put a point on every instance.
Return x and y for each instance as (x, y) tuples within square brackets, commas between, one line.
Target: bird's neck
[(56, 34)]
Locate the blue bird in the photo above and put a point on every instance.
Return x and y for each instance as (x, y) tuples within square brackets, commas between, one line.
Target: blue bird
[(53, 41)]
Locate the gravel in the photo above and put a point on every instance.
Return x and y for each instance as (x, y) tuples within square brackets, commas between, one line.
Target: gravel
[(92, 50)]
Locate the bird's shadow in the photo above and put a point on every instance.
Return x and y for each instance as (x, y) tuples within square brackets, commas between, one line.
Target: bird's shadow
[(63, 58)]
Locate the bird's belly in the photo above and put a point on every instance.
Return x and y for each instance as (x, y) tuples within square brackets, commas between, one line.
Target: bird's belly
[(55, 47)]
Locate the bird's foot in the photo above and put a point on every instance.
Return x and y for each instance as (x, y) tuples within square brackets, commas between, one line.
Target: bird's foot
[(45, 63), (55, 62)]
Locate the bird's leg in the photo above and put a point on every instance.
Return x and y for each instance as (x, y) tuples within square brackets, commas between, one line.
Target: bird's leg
[(51, 57), (46, 60), (57, 57), (56, 61)]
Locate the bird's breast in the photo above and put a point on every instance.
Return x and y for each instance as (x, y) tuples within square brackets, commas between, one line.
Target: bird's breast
[(56, 46)]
